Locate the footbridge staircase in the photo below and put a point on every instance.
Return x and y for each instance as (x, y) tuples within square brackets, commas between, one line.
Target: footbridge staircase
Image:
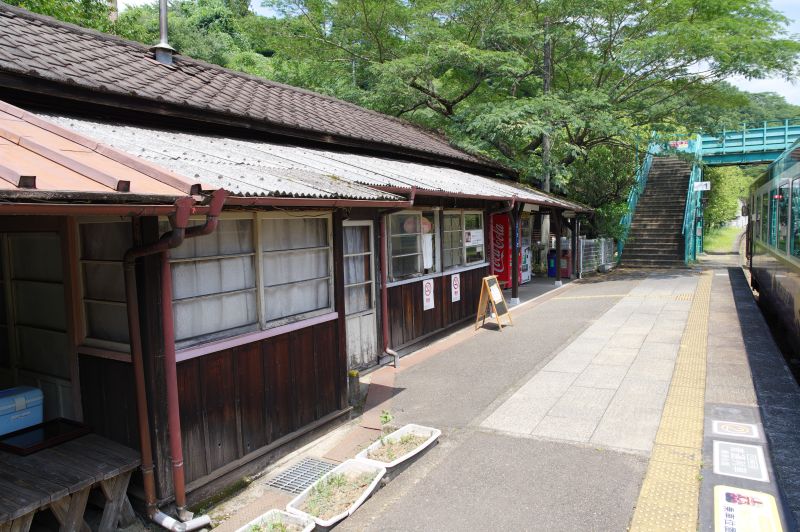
[(663, 226)]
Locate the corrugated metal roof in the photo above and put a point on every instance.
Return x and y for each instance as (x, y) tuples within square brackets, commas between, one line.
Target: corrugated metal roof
[(37, 157), (255, 168), (243, 168)]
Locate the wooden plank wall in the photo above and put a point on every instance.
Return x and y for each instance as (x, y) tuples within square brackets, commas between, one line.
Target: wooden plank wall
[(235, 401), (109, 399), (409, 323)]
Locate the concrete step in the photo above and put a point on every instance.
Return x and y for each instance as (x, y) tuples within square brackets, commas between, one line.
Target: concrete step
[(645, 263)]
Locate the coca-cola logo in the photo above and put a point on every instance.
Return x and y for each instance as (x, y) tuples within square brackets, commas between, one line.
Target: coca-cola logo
[(498, 248)]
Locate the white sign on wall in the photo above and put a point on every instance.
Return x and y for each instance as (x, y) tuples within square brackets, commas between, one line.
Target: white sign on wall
[(473, 237), (427, 294), (455, 287), (702, 185)]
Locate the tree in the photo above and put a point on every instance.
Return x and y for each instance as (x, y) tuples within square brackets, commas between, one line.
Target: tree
[(728, 185), (95, 14), (474, 68)]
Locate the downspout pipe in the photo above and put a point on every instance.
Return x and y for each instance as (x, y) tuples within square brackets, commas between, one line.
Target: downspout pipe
[(170, 361), (385, 278), (179, 220)]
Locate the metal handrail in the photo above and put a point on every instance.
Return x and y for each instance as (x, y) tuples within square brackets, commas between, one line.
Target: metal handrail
[(636, 191), (766, 137), (692, 197)]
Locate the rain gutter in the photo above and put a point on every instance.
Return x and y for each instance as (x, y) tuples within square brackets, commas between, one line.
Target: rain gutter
[(272, 201)]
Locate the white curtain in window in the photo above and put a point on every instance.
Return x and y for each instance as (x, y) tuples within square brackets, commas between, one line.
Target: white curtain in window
[(217, 292), (296, 266), (198, 317)]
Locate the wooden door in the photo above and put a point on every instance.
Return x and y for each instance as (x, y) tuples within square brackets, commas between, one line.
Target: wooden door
[(359, 294)]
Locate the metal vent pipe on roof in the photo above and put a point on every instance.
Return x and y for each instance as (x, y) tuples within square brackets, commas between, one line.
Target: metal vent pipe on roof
[(163, 50)]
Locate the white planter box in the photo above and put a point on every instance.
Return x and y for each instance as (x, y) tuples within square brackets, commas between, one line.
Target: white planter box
[(279, 516), (350, 466), (418, 430)]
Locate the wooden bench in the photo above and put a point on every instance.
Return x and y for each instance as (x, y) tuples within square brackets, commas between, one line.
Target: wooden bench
[(61, 478)]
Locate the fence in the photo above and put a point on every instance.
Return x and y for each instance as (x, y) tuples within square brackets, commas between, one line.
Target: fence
[(595, 254)]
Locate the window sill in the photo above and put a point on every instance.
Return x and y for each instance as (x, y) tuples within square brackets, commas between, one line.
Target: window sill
[(235, 341), (99, 352), (466, 268), (451, 271)]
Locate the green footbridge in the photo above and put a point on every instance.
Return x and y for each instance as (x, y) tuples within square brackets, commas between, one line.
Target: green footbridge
[(754, 145), (747, 145)]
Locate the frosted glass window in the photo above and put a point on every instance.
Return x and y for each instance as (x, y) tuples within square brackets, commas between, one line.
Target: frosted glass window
[(296, 266), (214, 290), (103, 247)]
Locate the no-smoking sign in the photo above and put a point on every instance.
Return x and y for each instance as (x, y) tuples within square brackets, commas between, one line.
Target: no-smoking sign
[(455, 287), (427, 294)]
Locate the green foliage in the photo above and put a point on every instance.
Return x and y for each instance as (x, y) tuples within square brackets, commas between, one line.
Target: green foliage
[(473, 70), (728, 185), (721, 239), (95, 14)]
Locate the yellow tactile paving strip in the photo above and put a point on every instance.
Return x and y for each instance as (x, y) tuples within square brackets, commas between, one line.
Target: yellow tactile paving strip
[(668, 500)]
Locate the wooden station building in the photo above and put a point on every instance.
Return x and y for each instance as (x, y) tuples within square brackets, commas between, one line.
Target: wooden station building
[(264, 237)]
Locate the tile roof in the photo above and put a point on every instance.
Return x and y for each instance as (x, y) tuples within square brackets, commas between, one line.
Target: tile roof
[(253, 168), (41, 47), (38, 157)]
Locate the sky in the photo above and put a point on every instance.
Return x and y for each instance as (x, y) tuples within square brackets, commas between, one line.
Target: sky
[(788, 89)]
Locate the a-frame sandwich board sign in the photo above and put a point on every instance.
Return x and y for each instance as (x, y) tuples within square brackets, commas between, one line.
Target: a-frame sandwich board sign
[(492, 301)]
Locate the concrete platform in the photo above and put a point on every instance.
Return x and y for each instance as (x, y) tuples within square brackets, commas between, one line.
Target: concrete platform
[(593, 409)]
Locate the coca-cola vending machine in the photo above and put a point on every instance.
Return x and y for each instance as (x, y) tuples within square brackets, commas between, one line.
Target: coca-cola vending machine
[(501, 248)]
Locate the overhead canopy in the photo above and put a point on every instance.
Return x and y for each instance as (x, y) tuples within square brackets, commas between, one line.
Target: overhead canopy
[(254, 169)]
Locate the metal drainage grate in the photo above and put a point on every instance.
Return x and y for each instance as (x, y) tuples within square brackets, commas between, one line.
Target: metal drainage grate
[(301, 475)]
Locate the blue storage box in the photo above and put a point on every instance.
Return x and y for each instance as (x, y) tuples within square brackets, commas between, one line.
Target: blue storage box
[(20, 408)]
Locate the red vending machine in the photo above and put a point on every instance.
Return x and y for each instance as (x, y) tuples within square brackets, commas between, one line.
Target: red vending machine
[(501, 249)]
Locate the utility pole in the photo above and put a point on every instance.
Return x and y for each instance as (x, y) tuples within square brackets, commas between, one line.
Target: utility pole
[(547, 69)]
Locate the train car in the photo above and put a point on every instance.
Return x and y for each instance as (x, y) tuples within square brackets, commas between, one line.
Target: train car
[(773, 243)]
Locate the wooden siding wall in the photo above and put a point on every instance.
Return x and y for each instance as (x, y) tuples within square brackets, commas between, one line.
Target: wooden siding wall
[(409, 323), (109, 399), (236, 401)]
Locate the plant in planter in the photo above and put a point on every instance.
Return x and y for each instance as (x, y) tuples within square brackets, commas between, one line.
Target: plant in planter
[(393, 449), (278, 521), (337, 494)]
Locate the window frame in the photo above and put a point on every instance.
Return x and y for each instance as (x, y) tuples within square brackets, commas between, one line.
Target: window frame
[(261, 324), (437, 259), (283, 215), (463, 213), (371, 255), (227, 333), (87, 341)]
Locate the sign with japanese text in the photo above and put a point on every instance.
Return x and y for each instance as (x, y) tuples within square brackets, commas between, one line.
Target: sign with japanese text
[(455, 287), (738, 510), (702, 185), (473, 237), (740, 460), (427, 294)]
